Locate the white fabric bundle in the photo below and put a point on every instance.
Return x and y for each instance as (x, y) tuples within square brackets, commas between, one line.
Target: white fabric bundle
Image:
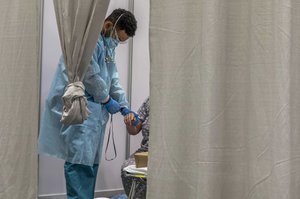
[(75, 109)]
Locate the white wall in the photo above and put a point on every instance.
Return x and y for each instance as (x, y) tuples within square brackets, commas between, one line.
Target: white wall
[(51, 176), (140, 62)]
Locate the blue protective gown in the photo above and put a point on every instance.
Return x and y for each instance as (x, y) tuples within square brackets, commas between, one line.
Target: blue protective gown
[(81, 143)]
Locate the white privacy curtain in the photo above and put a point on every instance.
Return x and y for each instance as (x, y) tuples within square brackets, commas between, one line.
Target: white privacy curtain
[(19, 98), (225, 99), (79, 24)]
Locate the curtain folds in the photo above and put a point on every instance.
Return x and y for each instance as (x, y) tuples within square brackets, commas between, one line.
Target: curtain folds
[(19, 98), (225, 108), (79, 25)]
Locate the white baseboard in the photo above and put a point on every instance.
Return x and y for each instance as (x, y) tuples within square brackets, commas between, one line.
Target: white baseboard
[(105, 193)]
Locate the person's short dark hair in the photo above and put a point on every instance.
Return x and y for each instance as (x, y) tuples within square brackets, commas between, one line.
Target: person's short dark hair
[(127, 22)]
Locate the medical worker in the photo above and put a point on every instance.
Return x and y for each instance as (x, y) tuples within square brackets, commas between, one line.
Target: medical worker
[(80, 145)]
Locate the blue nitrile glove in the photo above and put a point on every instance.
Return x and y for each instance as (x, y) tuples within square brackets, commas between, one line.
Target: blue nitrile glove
[(124, 111), (137, 119), (112, 106)]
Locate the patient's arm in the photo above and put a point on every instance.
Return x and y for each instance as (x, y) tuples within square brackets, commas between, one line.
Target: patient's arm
[(132, 130)]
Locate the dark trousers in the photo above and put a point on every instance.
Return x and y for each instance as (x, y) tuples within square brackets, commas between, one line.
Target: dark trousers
[(80, 180)]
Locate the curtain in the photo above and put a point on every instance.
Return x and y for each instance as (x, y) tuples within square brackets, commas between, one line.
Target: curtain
[(225, 111), (19, 97), (79, 25)]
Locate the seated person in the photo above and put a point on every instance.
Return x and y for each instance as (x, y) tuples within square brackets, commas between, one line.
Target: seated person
[(143, 125)]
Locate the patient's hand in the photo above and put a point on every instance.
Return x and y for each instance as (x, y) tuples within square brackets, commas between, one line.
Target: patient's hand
[(129, 118)]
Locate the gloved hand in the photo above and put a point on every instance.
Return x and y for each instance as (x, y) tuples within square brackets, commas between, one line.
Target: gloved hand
[(125, 111), (137, 119), (112, 106), (133, 120)]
